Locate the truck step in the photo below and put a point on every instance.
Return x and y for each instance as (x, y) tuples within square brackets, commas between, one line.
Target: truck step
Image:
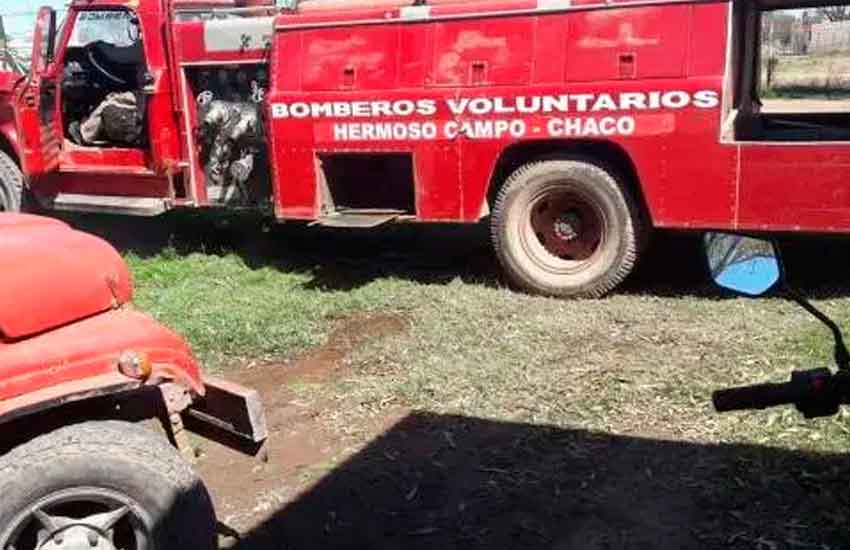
[(108, 204), (362, 218)]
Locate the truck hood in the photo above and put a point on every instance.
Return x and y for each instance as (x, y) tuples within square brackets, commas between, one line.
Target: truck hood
[(52, 275)]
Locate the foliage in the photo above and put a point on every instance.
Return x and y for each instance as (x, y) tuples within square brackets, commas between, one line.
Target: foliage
[(834, 13)]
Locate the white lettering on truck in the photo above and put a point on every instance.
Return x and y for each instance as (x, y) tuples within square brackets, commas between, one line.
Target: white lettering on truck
[(600, 114)]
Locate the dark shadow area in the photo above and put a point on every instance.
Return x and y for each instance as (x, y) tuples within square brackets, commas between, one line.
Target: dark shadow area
[(434, 481), (336, 259), (342, 259), (818, 266)]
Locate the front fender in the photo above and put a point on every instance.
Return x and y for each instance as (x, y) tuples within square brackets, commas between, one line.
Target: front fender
[(80, 360)]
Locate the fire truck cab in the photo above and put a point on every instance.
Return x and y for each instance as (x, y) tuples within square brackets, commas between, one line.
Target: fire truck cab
[(575, 126)]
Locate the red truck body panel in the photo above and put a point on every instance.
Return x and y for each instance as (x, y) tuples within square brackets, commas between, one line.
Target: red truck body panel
[(64, 314), (434, 60), (90, 348), (8, 130), (650, 80), (53, 275)]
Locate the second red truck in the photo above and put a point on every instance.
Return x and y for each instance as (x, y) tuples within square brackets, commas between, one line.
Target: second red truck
[(576, 126)]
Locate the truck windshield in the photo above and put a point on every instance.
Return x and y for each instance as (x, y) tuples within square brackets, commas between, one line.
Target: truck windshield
[(117, 27)]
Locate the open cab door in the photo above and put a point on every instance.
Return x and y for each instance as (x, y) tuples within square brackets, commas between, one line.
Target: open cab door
[(35, 102)]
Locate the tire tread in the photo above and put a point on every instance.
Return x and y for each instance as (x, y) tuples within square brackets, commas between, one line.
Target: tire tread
[(632, 231), (129, 444), (11, 176)]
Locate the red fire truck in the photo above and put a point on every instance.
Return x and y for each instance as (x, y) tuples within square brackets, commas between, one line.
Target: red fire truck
[(576, 126)]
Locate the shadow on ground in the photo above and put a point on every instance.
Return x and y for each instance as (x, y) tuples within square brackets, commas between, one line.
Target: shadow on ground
[(433, 481), (344, 259)]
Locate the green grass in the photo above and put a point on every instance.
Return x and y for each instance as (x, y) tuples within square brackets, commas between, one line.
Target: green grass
[(808, 77), (632, 362), (232, 313)]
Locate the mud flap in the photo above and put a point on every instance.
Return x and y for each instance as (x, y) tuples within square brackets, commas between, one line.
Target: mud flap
[(230, 414)]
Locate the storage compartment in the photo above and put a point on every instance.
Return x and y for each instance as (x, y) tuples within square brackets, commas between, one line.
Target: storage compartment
[(232, 155), (628, 43), (377, 182), (337, 58), (485, 52)]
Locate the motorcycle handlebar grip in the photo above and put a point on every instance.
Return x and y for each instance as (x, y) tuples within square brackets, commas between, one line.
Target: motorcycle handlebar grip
[(759, 396)]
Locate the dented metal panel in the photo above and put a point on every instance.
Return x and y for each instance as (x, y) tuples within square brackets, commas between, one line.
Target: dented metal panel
[(33, 253)]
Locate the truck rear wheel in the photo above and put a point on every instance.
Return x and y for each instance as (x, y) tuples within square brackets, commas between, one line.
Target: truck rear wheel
[(565, 228), (105, 485), (11, 184)]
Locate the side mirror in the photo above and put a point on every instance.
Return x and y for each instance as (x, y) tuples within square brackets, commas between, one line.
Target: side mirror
[(43, 39), (742, 264)]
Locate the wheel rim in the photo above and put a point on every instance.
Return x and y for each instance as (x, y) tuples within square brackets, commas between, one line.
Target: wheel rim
[(83, 518), (564, 230)]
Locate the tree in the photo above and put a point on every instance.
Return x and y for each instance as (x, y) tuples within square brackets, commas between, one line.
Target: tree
[(778, 27), (9, 60), (835, 13)]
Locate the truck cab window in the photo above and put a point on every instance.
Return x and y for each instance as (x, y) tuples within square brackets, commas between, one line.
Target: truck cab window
[(103, 76), (798, 74), (118, 28)]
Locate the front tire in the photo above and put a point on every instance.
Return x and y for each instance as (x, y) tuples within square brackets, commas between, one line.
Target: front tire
[(121, 485), (565, 228), (11, 184)]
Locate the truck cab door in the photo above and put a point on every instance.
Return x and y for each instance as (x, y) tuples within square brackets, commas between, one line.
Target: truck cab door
[(98, 128), (35, 102)]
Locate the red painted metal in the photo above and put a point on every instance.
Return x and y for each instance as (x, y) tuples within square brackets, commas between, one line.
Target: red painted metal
[(76, 275), (65, 317), (802, 187), (36, 120), (457, 52), (91, 347), (350, 52), (8, 130)]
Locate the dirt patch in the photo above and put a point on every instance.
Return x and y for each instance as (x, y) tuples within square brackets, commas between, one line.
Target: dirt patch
[(247, 489), (325, 361)]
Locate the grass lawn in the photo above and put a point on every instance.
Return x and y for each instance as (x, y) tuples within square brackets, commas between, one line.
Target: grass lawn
[(640, 364), (811, 77)]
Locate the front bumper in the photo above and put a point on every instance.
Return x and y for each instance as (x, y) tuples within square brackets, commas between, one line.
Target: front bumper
[(230, 408)]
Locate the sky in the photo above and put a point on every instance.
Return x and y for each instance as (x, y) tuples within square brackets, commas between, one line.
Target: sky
[(19, 18)]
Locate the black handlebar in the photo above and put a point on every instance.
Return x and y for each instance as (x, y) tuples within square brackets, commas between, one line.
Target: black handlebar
[(815, 392), (759, 396)]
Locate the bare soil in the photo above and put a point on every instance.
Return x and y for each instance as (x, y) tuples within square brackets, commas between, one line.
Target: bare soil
[(247, 489)]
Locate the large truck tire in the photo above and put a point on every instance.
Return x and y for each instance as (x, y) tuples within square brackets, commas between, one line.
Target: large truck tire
[(565, 228), (11, 184), (105, 485)]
